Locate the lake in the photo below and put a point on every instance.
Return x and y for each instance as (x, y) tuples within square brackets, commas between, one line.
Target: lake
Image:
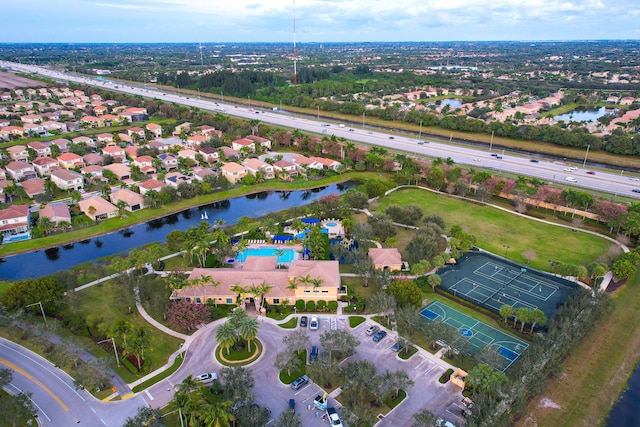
[(45, 262), (625, 411), (584, 114)]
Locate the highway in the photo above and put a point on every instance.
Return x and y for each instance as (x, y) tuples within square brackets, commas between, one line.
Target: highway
[(57, 401), (552, 172)]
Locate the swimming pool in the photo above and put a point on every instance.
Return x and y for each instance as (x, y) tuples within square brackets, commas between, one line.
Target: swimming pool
[(287, 255), (331, 224)]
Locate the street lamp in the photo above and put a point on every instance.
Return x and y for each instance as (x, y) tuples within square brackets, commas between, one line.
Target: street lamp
[(585, 156), (41, 309), (115, 351), (420, 134), (506, 250)]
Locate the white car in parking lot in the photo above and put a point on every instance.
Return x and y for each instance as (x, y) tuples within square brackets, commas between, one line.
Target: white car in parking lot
[(313, 323)]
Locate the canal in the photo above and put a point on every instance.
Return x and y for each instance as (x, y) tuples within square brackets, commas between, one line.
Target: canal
[(45, 262)]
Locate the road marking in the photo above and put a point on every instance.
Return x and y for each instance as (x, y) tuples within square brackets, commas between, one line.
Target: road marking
[(32, 401), (148, 394), (32, 378), (126, 396)]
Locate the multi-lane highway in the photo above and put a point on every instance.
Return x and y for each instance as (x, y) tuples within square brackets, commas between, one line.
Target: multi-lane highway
[(617, 183)]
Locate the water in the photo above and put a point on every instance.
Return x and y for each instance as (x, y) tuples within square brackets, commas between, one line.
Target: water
[(45, 262), (625, 411), (288, 255), (453, 103), (583, 114)]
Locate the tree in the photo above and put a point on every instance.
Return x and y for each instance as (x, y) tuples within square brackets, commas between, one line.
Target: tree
[(434, 280), (339, 341), (424, 418), (238, 382), (226, 335), (394, 382), (139, 341), (382, 303), (506, 311), (483, 378), (6, 376), (145, 417), (45, 224), (537, 318), (121, 329), (46, 290), (424, 244), (406, 292), (186, 316), (17, 408), (288, 360), (216, 414), (288, 419), (296, 341), (248, 329)]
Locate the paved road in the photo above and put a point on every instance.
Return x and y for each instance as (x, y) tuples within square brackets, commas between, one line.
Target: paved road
[(55, 396), (611, 182)]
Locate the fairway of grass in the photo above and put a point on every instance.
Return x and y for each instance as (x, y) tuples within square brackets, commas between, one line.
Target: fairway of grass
[(596, 373), (495, 228), (107, 302)]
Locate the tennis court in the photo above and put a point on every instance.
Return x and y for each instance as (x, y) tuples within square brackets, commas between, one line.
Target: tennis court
[(491, 282), (479, 334)]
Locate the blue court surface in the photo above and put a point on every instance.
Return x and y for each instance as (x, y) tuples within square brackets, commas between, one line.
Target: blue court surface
[(479, 334)]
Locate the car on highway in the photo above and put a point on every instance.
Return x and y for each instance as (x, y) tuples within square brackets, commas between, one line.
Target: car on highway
[(494, 155), (207, 377), (591, 173), (498, 157), (534, 160), (303, 321), (633, 178), (399, 345), (571, 179), (636, 190), (351, 130), (372, 330), (379, 336), (313, 324), (300, 382), (392, 137), (421, 142)]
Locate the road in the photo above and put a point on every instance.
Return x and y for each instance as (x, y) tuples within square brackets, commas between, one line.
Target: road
[(553, 172), (54, 395)]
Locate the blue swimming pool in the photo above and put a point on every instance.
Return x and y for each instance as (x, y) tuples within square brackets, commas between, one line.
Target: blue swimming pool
[(287, 255)]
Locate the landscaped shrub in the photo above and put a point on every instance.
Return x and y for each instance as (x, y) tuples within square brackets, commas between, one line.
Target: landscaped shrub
[(445, 377), (333, 306), (300, 305), (311, 306), (322, 304)]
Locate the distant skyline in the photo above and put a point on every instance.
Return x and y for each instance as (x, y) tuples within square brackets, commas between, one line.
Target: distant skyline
[(121, 21)]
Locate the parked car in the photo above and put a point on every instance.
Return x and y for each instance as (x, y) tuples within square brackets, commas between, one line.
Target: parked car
[(372, 330), (380, 335), (399, 345), (300, 382), (292, 405), (444, 423), (313, 324), (303, 321), (207, 377), (313, 355), (334, 419)]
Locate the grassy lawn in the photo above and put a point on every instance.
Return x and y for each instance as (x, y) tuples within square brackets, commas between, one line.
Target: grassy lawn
[(495, 228), (597, 372), (354, 321), (112, 306), (162, 375), (288, 378), (289, 324)]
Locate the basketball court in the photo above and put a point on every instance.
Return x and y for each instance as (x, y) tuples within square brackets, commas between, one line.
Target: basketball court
[(478, 334)]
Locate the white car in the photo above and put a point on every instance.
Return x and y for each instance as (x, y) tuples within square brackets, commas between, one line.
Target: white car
[(207, 377), (571, 179), (313, 323), (633, 178)]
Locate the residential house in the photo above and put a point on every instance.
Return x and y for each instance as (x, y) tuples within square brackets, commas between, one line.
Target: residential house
[(134, 114), (243, 145), (63, 144), (173, 179), (182, 128), (158, 145), (133, 201), (100, 110), (97, 208), (115, 152), (20, 170), (169, 160), (40, 148), (145, 164), (34, 186), (93, 159), (93, 121), (18, 153), (233, 172), (7, 132), (44, 165), (229, 153), (67, 180), (150, 184), (255, 166), (195, 140), (262, 142), (155, 129), (122, 172), (210, 154), (14, 220), (136, 130), (70, 160), (105, 139), (285, 168), (131, 151), (84, 140), (56, 213), (187, 154), (123, 137), (257, 271), (51, 125), (94, 171), (386, 258), (326, 163), (202, 173)]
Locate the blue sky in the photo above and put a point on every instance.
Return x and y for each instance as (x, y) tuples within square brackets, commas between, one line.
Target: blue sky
[(317, 20)]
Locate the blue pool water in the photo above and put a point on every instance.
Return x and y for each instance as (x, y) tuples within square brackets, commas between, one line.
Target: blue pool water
[(331, 224), (288, 256)]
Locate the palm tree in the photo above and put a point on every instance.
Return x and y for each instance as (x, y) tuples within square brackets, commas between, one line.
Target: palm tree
[(121, 205), (217, 414), (237, 289), (188, 385), (537, 318), (226, 335), (316, 284), (248, 329), (45, 224), (506, 311), (121, 329), (151, 198), (179, 403), (293, 285)]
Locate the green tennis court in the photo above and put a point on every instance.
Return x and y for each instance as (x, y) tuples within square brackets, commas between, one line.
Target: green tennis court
[(479, 334), (491, 282)]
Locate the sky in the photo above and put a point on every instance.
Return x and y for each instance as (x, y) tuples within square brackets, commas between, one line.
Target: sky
[(120, 21)]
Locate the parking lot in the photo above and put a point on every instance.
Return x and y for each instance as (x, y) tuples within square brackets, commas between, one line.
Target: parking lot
[(423, 368)]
